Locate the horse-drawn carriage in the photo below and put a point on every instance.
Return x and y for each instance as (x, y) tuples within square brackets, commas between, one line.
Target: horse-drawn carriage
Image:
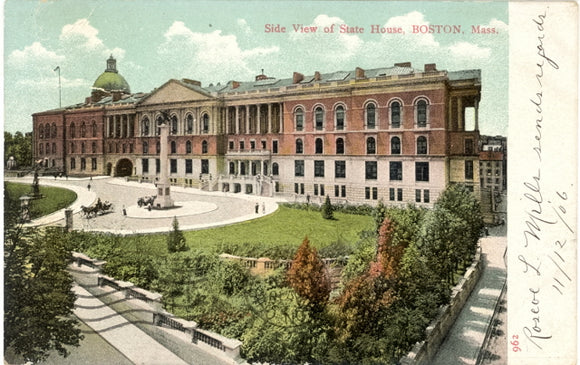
[(99, 208), (146, 200)]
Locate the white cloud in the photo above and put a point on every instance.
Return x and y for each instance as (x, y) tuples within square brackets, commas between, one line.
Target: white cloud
[(499, 25), (243, 25), (81, 33), (406, 22), (34, 55), (468, 50)]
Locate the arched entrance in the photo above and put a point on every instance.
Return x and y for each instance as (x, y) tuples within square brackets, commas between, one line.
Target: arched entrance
[(109, 168), (124, 167)]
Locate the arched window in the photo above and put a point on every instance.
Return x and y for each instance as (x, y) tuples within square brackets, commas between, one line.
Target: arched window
[(189, 124), (395, 114), (299, 146), (94, 129), (395, 146), (188, 148), (275, 169), (204, 147), (205, 123), (72, 148), (40, 132), (145, 126), (173, 147), (160, 121), (339, 146), (371, 146), (319, 118), (318, 146), (83, 130), (174, 124), (82, 147), (72, 130), (421, 145), (47, 131), (47, 148), (54, 148), (339, 117), (371, 116), (299, 119), (145, 147), (53, 131), (421, 113), (41, 148), (94, 147)]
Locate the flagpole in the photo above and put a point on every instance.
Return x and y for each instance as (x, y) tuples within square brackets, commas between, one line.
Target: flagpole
[(59, 88)]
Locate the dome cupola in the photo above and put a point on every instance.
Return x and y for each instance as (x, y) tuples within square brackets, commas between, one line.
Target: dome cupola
[(109, 82)]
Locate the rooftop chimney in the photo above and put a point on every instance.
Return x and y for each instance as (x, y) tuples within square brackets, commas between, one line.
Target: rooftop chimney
[(317, 76), (297, 77), (430, 67), (117, 95), (235, 84), (359, 73), (403, 64)]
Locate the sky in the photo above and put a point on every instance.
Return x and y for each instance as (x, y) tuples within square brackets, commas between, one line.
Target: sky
[(219, 41)]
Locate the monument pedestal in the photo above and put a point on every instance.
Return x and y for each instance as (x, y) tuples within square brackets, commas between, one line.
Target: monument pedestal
[(163, 199)]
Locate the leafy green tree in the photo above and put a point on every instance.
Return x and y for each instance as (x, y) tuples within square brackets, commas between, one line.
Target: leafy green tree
[(327, 209), (19, 146), (308, 276), (176, 240), (38, 297)]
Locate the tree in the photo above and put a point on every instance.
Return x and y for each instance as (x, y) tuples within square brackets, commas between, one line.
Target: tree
[(19, 146), (176, 240), (39, 302), (327, 211), (308, 276)]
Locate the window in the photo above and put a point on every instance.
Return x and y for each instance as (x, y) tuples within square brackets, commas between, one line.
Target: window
[(189, 124), (426, 196), (418, 195), (371, 170), (298, 167), (421, 113), (173, 125), (205, 123), (367, 192), (54, 149), (93, 164), (83, 130), (47, 149), (263, 144), (41, 148), (469, 146), (204, 147), (73, 164), (469, 170), (275, 169), (375, 193), (371, 116), (343, 191), (242, 168), (371, 192), (392, 194), (83, 150), (395, 146), (173, 147), (371, 146), (421, 145), (72, 130), (73, 148), (205, 166), (252, 145), (319, 118), (188, 147), (94, 129), (299, 119), (231, 145), (41, 132), (145, 126), (242, 145), (157, 166), (145, 147), (421, 171), (83, 164), (158, 147), (53, 131), (145, 165), (299, 146), (274, 146), (339, 146), (396, 170), (315, 189), (173, 166), (319, 168), (94, 147), (188, 166), (395, 114), (400, 194), (339, 169), (318, 146), (339, 117)]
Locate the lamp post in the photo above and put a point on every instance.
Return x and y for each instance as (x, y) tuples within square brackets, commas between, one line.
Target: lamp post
[(59, 88)]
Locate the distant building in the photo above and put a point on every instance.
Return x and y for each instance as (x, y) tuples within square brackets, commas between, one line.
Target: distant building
[(396, 133), (493, 163)]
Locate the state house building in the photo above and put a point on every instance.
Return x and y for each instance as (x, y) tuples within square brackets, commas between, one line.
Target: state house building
[(393, 133)]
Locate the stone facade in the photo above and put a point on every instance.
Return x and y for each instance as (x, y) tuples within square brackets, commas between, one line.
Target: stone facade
[(395, 133)]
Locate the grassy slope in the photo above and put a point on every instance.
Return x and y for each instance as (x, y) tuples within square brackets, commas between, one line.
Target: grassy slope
[(54, 198)]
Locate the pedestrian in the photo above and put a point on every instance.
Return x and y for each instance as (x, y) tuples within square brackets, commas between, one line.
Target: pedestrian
[(124, 211), (257, 208), (149, 207), (89, 187), (263, 208), (307, 198)]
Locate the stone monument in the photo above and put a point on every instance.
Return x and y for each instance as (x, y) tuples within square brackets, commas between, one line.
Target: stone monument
[(163, 200)]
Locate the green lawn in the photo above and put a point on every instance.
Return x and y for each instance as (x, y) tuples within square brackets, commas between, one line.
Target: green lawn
[(54, 198)]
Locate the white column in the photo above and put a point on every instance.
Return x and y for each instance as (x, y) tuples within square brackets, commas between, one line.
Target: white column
[(476, 114), (237, 119), (269, 118), (247, 119)]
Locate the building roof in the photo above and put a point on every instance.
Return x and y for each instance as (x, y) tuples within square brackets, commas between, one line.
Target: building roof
[(111, 80)]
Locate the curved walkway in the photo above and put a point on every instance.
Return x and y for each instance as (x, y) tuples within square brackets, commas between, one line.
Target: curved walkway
[(197, 209)]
